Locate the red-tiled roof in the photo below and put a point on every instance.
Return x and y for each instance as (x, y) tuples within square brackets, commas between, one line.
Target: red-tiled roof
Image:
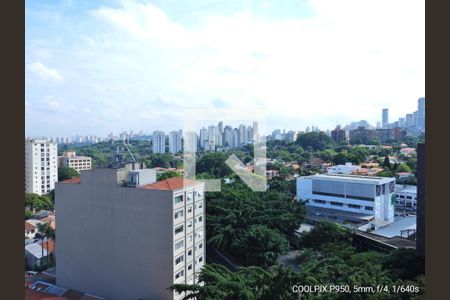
[(71, 180), (29, 227), (170, 184)]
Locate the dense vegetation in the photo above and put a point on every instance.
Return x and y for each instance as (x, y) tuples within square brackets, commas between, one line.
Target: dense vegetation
[(253, 227), (326, 257), (67, 173)]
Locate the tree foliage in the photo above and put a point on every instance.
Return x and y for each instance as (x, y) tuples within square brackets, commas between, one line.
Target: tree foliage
[(67, 173)]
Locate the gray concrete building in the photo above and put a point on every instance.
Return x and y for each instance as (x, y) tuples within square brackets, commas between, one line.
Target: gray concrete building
[(123, 235)]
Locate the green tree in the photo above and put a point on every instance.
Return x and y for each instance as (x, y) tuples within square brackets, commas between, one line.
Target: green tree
[(214, 164), (403, 168), (35, 201), (67, 173), (168, 174), (315, 140), (387, 162), (259, 245)]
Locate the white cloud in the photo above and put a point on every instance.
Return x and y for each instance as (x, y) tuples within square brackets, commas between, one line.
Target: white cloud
[(44, 72), (348, 58)]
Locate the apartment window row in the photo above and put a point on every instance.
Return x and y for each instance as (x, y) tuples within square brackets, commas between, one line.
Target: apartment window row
[(179, 259), (179, 229), (343, 196), (179, 274), (340, 204)]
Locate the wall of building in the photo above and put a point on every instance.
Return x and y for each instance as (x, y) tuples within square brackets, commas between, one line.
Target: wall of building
[(114, 241)]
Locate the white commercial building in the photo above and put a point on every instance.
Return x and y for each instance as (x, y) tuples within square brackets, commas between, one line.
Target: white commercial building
[(71, 160), (41, 166), (406, 196), (363, 195), (346, 169), (159, 142), (124, 235), (175, 141)]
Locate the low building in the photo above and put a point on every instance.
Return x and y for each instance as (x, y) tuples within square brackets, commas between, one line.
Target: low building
[(346, 169), (39, 252), (30, 230), (406, 196), (78, 163), (349, 197)]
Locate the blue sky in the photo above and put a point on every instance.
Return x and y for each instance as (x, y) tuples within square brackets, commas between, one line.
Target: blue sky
[(93, 67)]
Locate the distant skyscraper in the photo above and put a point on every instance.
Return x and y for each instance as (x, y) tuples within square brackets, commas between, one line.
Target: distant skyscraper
[(255, 131), (241, 134), (235, 138), (220, 125), (338, 134), (175, 141), (41, 166), (409, 120), (378, 124), (212, 137), (203, 137), (421, 110), (190, 141), (159, 142), (385, 118), (228, 136)]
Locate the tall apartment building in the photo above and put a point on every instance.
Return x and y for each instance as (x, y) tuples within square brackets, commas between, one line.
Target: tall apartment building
[(385, 117), (71, 160), (338, 134), (421, 113), (175, 141), (357, 195), (203, 137), (41, 166), (124, 235), (159, 142), (190, 141)]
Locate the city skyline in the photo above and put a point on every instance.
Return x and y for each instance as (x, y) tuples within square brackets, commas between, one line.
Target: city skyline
[(100, 66)]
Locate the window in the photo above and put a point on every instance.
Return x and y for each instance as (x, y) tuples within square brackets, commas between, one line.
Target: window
[(354, 206), (179, 214), (320, 201), (179, 229), (189, 224), (199, 194), (179, 245), (189, 196), (336, 203), (199, 206), (409, 197), (189, 252), (189, 210), (179, 274), (179, 260), (200, 246), (189, 267), (178, 199), (200, 259), (369, 208), (190, 238), (200, 218)]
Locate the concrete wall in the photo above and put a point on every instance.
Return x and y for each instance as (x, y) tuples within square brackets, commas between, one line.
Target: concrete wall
[(115, 242)]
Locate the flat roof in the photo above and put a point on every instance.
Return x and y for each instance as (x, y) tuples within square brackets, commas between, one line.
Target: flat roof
[(394, 229), (352, 178)]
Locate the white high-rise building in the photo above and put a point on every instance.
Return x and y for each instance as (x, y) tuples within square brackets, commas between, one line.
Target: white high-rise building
[(41, 166), (190, 141), (255, 131), (421, 110), (203, 137), (175, 141), (235, 138), (241, 135), (228, 136), (212, 137), (159, 142), (385, 118)]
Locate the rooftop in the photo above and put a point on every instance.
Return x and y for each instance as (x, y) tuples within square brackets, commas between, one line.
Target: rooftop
[(170, 184), (71, 180), (394, 229), (352, 178), (28, 226)]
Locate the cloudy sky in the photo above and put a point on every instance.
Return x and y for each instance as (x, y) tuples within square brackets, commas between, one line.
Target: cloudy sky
[(93, 67)]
